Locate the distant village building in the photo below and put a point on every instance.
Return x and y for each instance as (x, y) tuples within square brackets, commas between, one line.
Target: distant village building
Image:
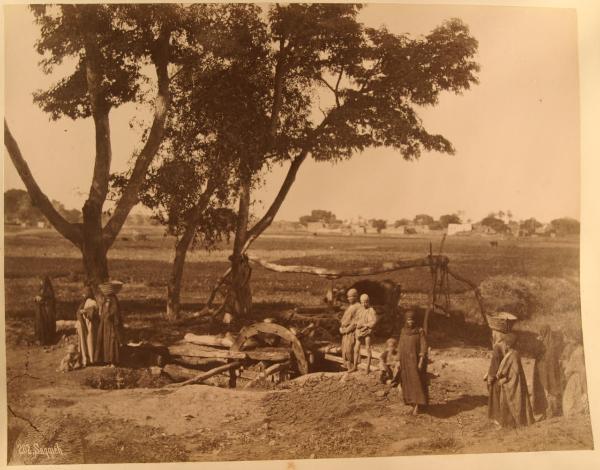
[(483, 229), (453, 229), (401, 230)]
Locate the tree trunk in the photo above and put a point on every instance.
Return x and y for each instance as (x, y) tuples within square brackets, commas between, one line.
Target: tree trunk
[(174, 284), (239, 297), (92, 248)]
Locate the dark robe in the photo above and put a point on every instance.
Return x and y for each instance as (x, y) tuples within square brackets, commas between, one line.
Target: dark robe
[(547, 388), (108, 341), (493, 386), (515, 407), (45, 318), (411, 346)]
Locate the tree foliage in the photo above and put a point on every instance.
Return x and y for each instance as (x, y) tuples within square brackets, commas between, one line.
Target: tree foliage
[(379, 224), (494, 223), (447, 219), (401, 223), (529, 226), (18, 208), (423, 219), (565, 226)]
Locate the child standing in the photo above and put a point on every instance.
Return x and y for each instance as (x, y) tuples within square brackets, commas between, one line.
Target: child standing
[(365, 321)]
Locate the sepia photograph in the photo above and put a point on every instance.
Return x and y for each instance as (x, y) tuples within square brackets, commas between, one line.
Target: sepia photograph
[(284, 231)]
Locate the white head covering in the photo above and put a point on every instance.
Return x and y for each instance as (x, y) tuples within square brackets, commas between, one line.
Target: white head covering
[(364, 297), (352, 293)]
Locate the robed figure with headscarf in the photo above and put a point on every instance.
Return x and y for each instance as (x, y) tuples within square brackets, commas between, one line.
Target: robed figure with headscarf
[(547, 390), (45, 315), (412, 349), (515, 407)]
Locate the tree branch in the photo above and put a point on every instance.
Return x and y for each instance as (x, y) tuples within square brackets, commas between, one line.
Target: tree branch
[(278, 91), (130, 196), (290, 177), (70, 231), (99, 105)]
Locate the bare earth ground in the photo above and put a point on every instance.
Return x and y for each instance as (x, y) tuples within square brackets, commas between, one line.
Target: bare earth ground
[(319, 416)]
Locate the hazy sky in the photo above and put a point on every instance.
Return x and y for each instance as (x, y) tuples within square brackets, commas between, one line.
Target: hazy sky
[(516, 134)]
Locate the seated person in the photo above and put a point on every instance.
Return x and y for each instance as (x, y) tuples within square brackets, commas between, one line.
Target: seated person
[(71, 360), (390, 363)]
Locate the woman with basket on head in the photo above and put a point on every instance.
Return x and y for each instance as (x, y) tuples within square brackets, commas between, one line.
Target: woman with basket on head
[(501, 324), (515, 407), (108, 342)]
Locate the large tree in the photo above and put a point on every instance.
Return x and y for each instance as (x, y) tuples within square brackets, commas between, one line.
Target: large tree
[(112, 46), (375, 80), (190, 201)]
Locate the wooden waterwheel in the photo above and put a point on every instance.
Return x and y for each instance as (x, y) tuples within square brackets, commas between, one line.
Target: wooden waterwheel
[(282, 332)]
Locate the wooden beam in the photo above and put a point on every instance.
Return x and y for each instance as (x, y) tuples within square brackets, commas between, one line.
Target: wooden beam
[(207, 375), (209, 340), (262, 354), (435, 260)]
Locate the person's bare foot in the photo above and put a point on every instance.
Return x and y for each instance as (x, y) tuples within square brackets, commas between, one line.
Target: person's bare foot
[(415, 410)]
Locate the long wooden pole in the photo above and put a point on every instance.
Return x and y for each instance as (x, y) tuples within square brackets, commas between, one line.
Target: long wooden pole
[(207, 375), (432, 261)]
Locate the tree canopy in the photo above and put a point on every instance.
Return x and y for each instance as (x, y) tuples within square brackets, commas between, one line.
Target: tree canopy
[(447, 219)]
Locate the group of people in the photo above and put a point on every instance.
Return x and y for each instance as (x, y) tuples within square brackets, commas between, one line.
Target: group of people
[(404, 361), (98, 323), (555, 391)]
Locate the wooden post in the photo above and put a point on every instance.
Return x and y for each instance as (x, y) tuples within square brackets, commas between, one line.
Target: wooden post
[(232, 376)]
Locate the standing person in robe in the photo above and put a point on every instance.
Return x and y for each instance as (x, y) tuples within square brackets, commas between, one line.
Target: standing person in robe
[(347, 327), (45, 315), (108, 342), (490, 378), (87, 326), (365, 322), (412, 349), (492, 383), (515, 407), (547, 390)]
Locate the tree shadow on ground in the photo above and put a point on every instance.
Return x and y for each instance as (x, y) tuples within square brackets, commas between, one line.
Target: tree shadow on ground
[(456, 406)]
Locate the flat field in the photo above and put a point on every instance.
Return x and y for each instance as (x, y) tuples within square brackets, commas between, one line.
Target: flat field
[(301, 421)]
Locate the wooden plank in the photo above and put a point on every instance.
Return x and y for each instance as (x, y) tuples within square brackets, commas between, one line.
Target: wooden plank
[(225, 341), (259, 354), (196, 361)]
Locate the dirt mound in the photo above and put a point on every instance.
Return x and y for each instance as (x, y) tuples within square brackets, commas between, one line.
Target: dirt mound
[(338, 396)]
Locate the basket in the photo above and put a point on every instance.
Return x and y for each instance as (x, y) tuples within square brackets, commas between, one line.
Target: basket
[(110, 288), (501, 321)]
